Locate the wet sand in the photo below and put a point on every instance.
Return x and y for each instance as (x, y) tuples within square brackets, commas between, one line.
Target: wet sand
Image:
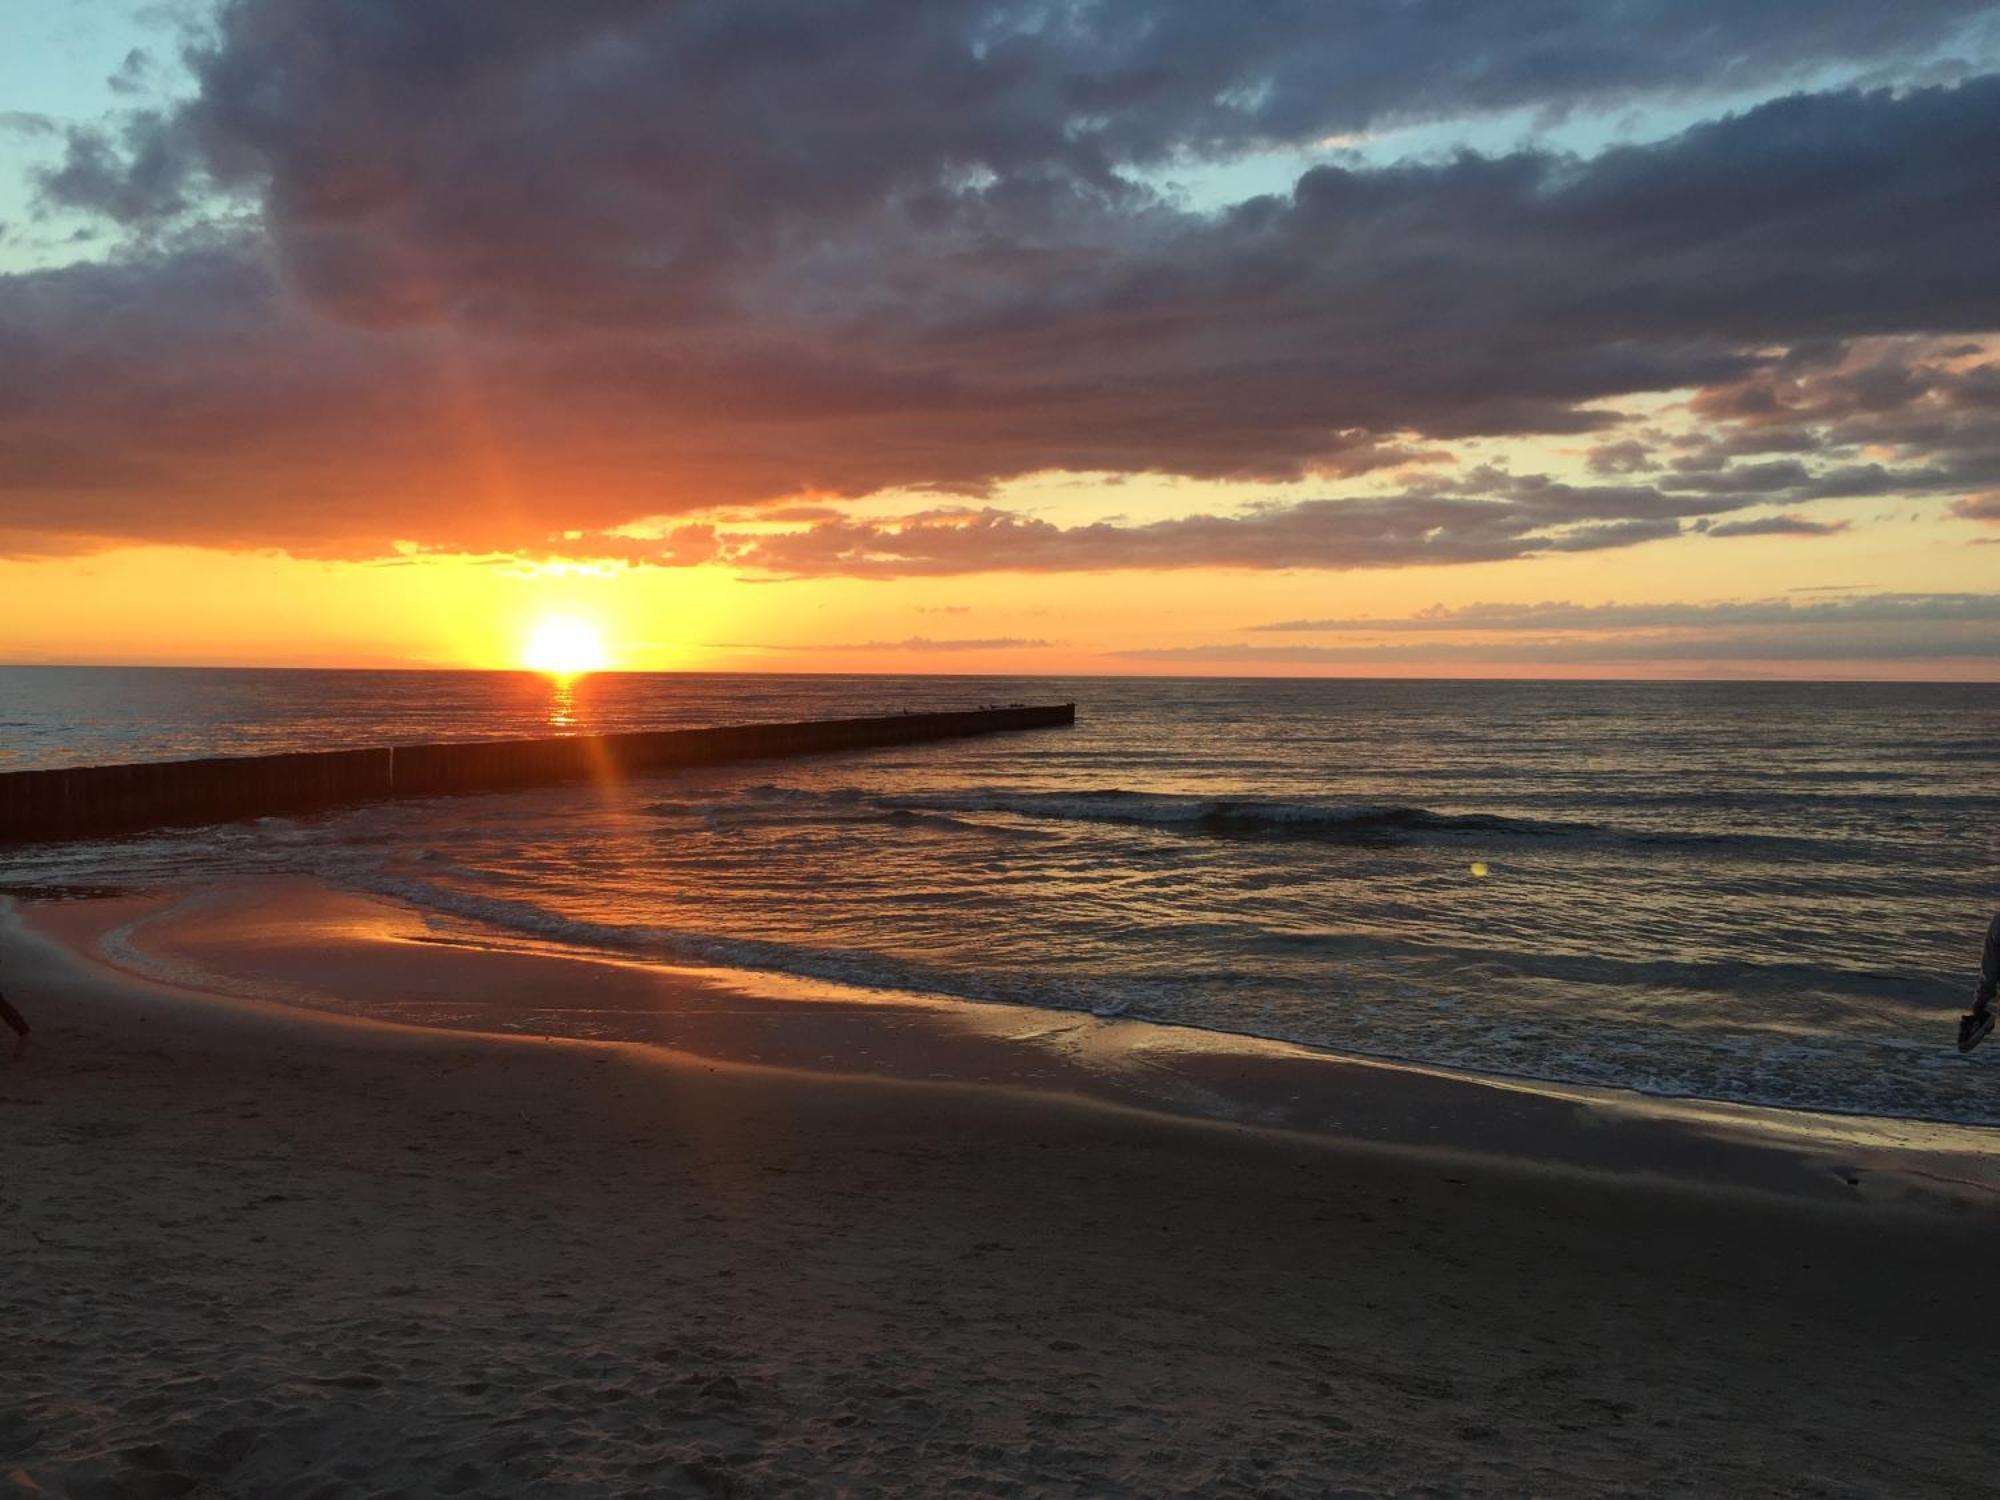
[(260, 1250)]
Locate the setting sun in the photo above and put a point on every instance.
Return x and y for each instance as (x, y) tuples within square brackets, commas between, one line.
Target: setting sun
[(564, 645)]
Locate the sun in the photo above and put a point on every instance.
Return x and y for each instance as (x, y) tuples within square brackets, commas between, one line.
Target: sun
[(564, 646)]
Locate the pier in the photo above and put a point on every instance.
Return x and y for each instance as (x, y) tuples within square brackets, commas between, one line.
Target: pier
[(89, 801)]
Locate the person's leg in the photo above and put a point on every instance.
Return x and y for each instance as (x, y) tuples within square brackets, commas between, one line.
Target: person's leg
[(18, 1024), (1989, 967)]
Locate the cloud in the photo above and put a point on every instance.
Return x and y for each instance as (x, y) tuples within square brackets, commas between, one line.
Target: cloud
[(1979, 508), (926, 643), (1903, 627), (474, 276), (368, 108), (1788, 525), (1394, 531), (1485, 516), (1626, 456), (1873, 645), (1970, 609), (920, 643), (135, 74)]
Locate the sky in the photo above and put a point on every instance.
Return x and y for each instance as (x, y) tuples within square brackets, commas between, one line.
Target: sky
[(1383, 337)]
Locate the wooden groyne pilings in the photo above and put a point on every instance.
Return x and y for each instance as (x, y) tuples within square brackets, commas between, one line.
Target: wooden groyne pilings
[(85, 801)]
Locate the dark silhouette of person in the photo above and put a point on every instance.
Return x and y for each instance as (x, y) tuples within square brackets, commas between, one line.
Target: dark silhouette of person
[(1972, 1029), (18, 1024)]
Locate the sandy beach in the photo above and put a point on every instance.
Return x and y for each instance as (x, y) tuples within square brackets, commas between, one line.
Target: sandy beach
[(255, 1249)]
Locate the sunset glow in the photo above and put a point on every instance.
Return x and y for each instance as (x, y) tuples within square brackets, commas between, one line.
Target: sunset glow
[(1348, 379), (1268, 724), (564, 646)]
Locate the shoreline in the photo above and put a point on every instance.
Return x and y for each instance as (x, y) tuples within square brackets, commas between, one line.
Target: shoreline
[(303, 945), (257, 1249)]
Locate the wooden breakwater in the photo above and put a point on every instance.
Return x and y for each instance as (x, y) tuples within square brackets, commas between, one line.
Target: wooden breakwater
[(82, 801)]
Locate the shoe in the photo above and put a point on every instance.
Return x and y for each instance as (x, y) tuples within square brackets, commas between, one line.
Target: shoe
[(1973, 1029)]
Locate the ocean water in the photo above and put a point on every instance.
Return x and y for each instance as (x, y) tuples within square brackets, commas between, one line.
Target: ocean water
[(1759, 892)]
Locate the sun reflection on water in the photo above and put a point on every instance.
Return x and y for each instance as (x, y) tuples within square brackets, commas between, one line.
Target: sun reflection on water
[(562, 701)]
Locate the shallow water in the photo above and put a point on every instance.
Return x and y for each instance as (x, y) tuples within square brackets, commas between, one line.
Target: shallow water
[(1771, 893)]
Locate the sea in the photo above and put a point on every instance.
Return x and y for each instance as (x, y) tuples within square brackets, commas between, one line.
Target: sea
[(1767, 893)]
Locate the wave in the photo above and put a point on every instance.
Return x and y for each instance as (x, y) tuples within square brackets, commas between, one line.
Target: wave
[(1854, 1067), (1237, 817), (1758, 980), (854, 968), (1363, 825)]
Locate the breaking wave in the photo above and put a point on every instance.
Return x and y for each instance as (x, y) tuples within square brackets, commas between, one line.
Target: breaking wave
[(1362, 825)]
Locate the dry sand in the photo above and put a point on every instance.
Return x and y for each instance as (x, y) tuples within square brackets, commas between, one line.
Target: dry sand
[(248, 1250)]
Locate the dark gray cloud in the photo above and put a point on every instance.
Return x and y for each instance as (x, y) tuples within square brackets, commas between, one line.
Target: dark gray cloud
[(135, 74), (1626, 456), (28, 123), (475, 275), (1881, 391), (358, 109)]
